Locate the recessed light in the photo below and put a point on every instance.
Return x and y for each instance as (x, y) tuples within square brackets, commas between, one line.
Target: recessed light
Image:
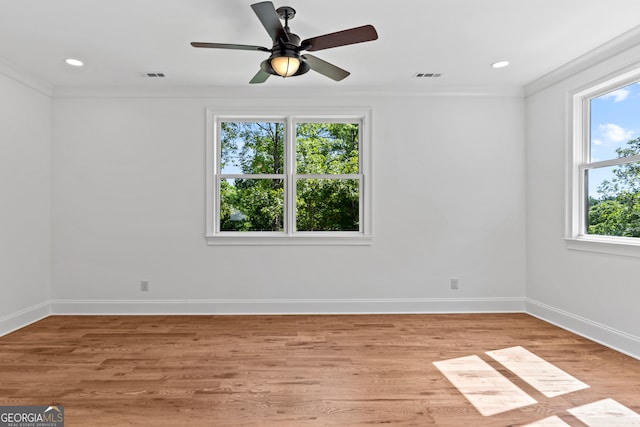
[(500, 64), (74, 62)]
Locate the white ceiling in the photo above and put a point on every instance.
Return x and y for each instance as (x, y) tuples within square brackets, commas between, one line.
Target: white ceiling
[(121, 40)]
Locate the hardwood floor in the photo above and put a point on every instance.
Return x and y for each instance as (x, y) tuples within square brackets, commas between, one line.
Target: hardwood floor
[(350, 370)]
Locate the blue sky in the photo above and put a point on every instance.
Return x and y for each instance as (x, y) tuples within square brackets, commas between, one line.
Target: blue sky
[(615, 119)]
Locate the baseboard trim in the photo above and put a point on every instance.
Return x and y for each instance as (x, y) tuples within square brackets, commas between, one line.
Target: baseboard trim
[(602, 334), (291, 306), (22, 318)]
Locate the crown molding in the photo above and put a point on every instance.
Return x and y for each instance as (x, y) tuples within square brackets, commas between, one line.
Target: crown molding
[(252, 92), (608, 50), (24, 78)]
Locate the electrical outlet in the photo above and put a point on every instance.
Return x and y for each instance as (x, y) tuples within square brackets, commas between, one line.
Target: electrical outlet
[(144, 285), (454, 283)]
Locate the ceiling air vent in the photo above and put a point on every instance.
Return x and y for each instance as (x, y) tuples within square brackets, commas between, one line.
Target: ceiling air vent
[(427, 75), (154, 75)]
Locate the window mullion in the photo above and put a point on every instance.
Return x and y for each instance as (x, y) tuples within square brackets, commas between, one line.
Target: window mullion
[(290, 143)]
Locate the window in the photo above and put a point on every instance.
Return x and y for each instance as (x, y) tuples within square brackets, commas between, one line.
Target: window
[(605, 179), (294, 179)]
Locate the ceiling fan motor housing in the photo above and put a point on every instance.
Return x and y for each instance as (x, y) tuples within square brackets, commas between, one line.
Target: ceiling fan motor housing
[(287, 49)]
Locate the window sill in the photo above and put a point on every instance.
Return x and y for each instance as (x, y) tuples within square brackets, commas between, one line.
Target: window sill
[(287, 240), (625, 246)]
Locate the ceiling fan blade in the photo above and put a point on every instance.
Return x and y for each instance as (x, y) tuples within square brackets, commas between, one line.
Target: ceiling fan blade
[(229, 46), (267, 14), (341, 38), (260, 77), (325, 68)]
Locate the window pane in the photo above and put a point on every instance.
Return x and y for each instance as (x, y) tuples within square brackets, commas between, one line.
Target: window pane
[(251, 204), (252, 148), (614, 200), (328, 205), (327, 148), (615, 120)]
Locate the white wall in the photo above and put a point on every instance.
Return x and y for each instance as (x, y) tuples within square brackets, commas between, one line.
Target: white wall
[(594, 294), (24, 203), (128, 205), (449, 200)]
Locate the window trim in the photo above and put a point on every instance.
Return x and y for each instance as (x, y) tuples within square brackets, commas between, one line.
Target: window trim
[(334, 115), (578, 156)]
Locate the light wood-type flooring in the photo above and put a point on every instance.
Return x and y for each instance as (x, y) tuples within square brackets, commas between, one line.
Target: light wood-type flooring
[(298, 370)]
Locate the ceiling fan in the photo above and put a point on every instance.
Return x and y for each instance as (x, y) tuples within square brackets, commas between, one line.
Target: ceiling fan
[(286, 59)]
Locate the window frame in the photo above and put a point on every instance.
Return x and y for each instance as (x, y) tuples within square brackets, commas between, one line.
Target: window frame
[(579, 162), (213, 234)]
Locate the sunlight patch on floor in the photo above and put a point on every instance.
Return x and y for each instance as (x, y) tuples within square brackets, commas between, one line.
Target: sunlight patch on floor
[(487, 390), (492, 393), (606, 413), (548, 422), (537, 372)]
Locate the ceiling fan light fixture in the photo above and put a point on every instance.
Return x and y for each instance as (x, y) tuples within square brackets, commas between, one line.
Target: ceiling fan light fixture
[(285, 66)]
